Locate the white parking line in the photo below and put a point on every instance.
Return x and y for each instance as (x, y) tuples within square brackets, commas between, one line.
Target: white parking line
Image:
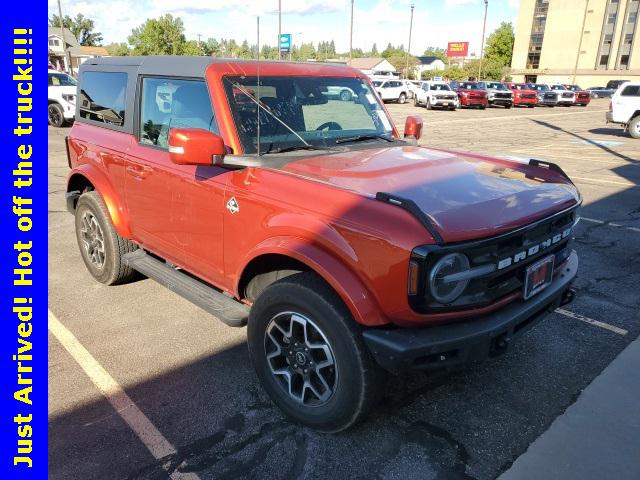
[(610, 224), (516, 117), (591, 321), (148, 434), (601, 180)]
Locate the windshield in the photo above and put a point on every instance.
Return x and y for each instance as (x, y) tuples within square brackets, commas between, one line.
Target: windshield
[(519, 86), (439, 86), (558, 87), (469, 86), (541, 88), (302, 111), (377, 83), (61, 80), (496, 86), (575, 88)]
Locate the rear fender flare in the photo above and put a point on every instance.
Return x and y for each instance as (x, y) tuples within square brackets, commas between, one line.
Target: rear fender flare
[(117, 210)]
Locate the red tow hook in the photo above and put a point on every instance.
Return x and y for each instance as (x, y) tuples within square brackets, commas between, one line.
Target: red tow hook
[(568, 296)]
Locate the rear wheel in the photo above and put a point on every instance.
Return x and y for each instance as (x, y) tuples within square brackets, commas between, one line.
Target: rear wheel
[(309, 355), (100, 245), (402, 98), (634, 127), (345, 95)]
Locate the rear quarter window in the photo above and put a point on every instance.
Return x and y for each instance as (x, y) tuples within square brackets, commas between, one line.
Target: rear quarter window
[(103, 97), (631, 91)]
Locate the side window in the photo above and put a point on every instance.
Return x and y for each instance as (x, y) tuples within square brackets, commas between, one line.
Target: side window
[(631, 91), (103, 96), (173, 103)]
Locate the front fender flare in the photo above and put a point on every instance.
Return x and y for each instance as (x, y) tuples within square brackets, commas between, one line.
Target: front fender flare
[(117, 210), (356, 296)]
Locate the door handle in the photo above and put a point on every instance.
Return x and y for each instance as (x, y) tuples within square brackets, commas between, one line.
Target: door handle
[(139, 171)]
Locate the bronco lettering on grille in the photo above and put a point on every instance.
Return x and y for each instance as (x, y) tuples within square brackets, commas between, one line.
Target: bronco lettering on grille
[(522, 255)]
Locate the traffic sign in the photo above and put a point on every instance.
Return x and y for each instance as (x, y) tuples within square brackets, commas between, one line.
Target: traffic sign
[(285, 42)]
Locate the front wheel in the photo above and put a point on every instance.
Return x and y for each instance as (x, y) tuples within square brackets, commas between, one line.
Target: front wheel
[(429, 106), (309, 355), (56, 115), (402, 98)]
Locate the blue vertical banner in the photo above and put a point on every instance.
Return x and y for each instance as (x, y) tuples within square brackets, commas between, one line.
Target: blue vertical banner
[(285, 42), (23, 244)]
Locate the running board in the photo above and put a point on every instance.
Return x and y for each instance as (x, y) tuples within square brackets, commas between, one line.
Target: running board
[(226, 309)]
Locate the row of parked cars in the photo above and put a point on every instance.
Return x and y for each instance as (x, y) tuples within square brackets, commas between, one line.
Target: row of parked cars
[(480, 94)]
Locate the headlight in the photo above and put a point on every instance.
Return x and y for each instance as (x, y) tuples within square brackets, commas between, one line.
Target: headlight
[(69, 97), (443, 285)]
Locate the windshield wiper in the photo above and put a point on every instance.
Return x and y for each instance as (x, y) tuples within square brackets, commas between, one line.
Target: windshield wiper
[(292, 149), (362, 138)]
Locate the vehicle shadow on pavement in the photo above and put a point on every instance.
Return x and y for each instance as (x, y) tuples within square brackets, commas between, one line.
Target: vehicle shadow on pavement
[(587, 140), (614, 132)]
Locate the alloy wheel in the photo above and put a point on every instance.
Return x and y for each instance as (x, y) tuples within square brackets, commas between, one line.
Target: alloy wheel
[(92, 240), (301, 359)]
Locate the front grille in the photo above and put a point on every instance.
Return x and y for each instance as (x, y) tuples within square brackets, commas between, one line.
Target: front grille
[(489, 288), (444, 97), (567, 95), (528, 95), (502, 95), (549, 96)]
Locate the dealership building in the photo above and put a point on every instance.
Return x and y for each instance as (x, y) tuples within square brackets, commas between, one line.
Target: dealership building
[(587, 42)]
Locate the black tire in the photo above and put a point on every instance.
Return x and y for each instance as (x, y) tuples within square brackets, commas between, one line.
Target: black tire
[(634, 127), (402, 98), (345, 95), (530, 106), (508, 106), (429, 106), (415, 101), (482, 107), (56, 115), (357, 380), (109, 267)]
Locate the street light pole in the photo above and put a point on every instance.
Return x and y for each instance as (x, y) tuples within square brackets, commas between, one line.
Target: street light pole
[(406, 71), (584, 21), (279, 28), (351, 35), (66, 53), (484, 27)]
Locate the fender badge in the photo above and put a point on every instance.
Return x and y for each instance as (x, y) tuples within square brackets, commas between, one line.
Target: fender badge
[(232, 205)]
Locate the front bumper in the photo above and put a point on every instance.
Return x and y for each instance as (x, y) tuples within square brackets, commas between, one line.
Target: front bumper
[(430, 348), (501, 101), (444, 102), (467, 102), (547, 101)]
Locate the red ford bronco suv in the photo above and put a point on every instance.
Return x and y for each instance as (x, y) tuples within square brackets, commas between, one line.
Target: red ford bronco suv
[(347, 250)]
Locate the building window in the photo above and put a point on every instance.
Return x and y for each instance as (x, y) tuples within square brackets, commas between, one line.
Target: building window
[(611, 19), (604, 60), (628, 38), (624, 61), (608, 38), (537, 33), (54, 42), (632, 17)]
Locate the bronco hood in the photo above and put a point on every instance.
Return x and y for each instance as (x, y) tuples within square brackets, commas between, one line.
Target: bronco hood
[(465, 196)]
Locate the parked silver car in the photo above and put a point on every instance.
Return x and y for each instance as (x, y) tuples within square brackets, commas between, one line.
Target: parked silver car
[(497, 93)]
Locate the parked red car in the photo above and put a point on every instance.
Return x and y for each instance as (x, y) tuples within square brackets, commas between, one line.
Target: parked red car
[(349, 251), (471, 95), (583, 97), (523, 95)]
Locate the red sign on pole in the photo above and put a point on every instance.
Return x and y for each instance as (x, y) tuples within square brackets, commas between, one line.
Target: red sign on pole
[(458, 49)]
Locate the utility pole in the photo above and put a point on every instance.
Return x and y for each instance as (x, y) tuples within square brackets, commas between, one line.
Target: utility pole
[(584, 21), (199, 44), (67, 54), (406, 72), (351, 35), (484, 27), (279, 28)]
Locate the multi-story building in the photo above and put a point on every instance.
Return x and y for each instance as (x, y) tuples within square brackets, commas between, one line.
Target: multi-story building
[(587, 42)]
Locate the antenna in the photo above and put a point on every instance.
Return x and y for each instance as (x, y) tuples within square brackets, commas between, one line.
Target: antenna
[(258, 85)]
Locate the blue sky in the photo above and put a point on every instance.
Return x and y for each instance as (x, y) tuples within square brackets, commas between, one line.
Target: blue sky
[(435, 22)]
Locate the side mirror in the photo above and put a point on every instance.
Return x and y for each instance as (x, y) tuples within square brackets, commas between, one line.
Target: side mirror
[(195, 146), (413, 127)]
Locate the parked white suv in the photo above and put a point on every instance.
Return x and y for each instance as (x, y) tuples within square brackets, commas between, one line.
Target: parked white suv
[(436, 94), (391, 90), (62, 98), (624, 108), (565, 96)]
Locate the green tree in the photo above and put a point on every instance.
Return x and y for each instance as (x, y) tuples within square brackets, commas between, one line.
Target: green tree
[(491, 69), (374, 51), (81, 27), (118, 49), (162, 36), (499, 46), (451, 73), (192, 48), (440, 53)]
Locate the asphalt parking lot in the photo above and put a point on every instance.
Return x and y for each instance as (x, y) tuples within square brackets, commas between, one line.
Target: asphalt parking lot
[(190, 375)]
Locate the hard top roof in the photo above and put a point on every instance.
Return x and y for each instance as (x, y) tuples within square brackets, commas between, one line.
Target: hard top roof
[(193, 66)]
